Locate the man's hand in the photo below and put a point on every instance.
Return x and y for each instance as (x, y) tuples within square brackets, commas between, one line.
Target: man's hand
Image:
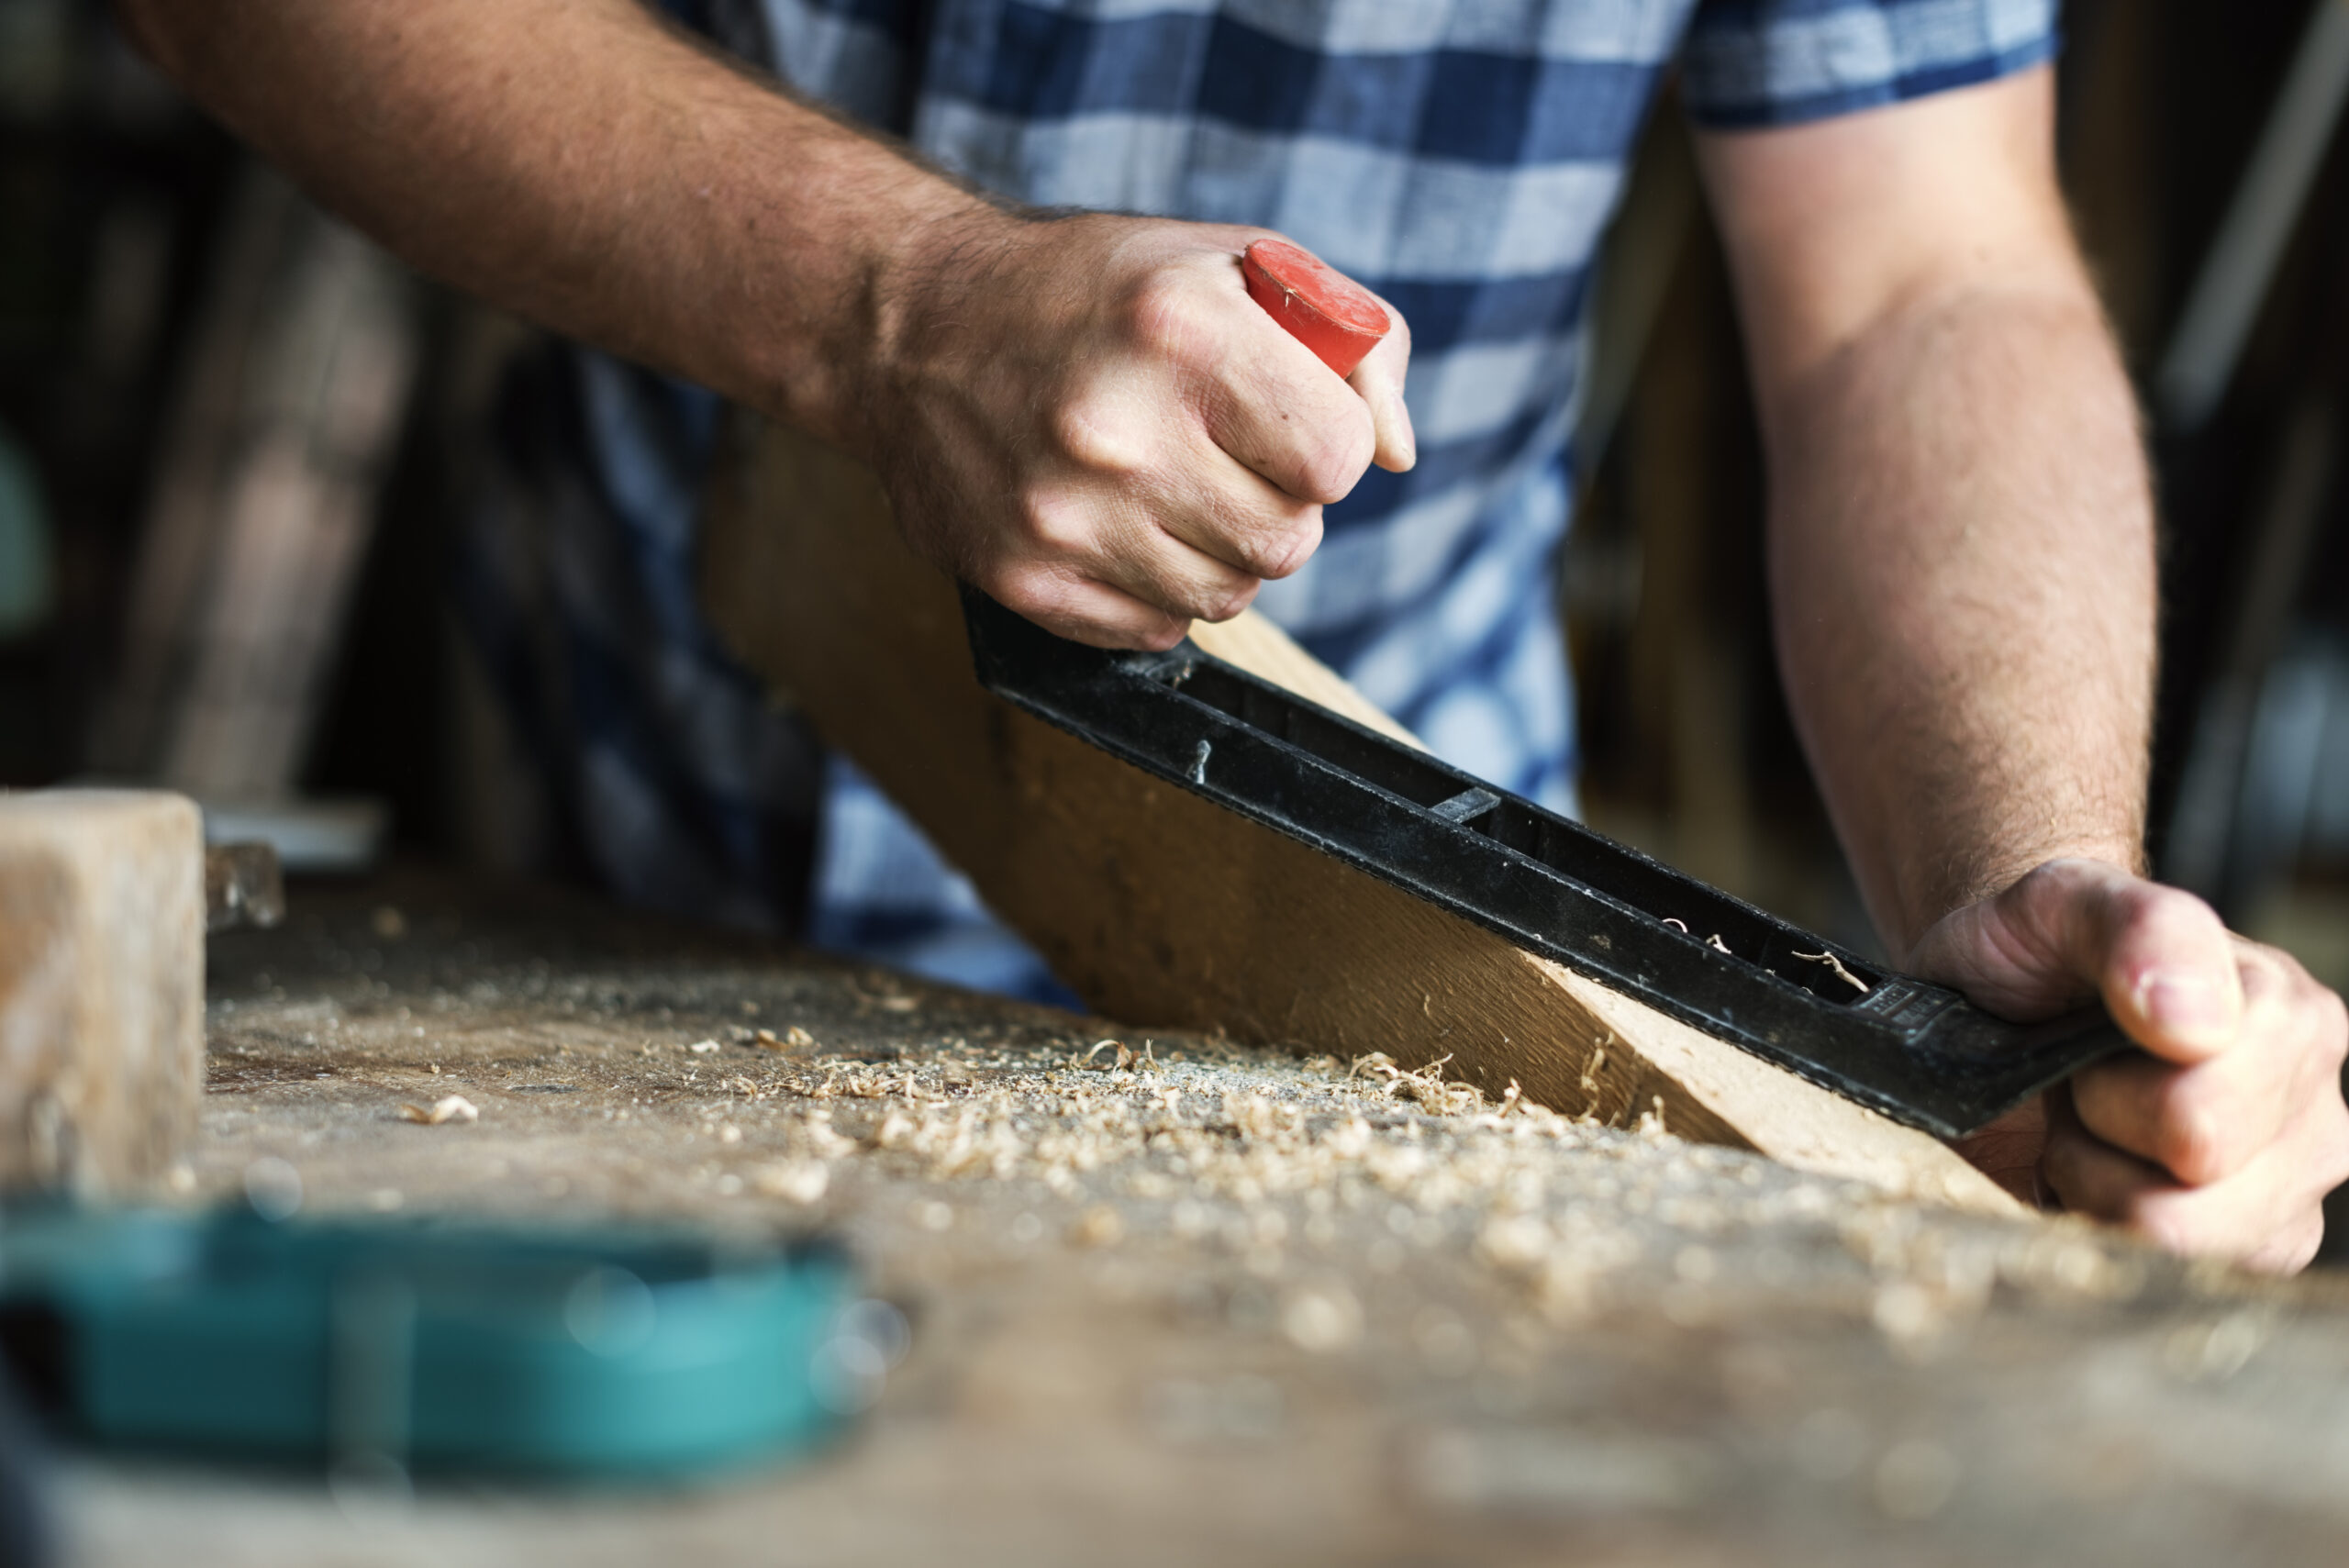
[(1088, 417), (1085, 416), (2224, 1133), (1962, 585)]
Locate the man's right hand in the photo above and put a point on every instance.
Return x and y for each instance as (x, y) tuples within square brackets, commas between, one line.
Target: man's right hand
[(1090, 419), (1087, 416)]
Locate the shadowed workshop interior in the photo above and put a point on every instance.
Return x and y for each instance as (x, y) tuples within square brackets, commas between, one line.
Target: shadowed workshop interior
[(1062, 1278)]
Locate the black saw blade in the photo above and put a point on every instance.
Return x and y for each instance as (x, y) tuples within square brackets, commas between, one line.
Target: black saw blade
[(1919, 1053)]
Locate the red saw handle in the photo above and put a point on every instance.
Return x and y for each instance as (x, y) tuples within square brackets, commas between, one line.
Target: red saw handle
[(1322, 308)]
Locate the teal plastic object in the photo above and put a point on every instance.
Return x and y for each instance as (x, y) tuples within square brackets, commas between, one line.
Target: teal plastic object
[(432, 1346)]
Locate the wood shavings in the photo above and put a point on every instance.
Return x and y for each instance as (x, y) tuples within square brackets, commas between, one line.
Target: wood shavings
[(1426, 1085), (702, 1047), (882, 994), (802, 1182), (828, 1144), (448, 1107), (1842, 973), (1229, 1150), (1322, 1317), (1650, 1123)]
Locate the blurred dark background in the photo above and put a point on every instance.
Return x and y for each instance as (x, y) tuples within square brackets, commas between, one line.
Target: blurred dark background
[(233, 440)]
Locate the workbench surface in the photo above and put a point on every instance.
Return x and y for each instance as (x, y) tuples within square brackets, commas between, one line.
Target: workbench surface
[(1179, 1302)]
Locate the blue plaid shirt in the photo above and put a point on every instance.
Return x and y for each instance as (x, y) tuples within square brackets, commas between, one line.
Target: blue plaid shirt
[(1462, 158)]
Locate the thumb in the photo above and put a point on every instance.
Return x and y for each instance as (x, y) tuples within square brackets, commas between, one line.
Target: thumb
[(1379, 382), (2161, 957)]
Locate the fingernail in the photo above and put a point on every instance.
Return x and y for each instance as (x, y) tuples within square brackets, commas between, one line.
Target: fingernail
[(2190, 1007)]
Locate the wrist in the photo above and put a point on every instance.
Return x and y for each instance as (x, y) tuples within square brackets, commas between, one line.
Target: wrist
[(853, 243), (916, 310)]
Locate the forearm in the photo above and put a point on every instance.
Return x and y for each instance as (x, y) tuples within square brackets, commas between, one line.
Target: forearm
[(580, 163), (1962, 571)]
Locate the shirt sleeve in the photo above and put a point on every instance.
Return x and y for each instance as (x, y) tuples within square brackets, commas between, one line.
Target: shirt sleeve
[(1750, 63)]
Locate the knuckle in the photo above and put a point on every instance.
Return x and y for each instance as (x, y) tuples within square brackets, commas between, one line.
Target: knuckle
[(1162, 314), (2146, 912), (1213, 600), (1055, 524), (1229, 603), (1289, 548), (2302, 1243), (2193, 1144), (1040, 596), (1274, 546), (1090, 436), (1329, 467), (2332, 1028), (1161, 633)]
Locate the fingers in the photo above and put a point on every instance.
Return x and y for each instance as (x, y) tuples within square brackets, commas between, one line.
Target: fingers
[(1106, 570), (1113, 438), (2224, 1134), (1152, 563), (2268, 1215), (2205, 1121), (2091, 1176), (1261, 395), (1270, 406), (2197, 1124), (1278, 411), (1086, 610), (1232, 516)]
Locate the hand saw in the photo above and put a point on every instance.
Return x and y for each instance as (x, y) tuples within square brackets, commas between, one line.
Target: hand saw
[(1915, 1052)]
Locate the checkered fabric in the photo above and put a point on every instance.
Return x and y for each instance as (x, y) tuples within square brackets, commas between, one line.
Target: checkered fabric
[(1463, 158)]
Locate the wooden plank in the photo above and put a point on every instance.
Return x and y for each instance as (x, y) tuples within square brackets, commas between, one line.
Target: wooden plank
[(1159, 907), (101, 988)]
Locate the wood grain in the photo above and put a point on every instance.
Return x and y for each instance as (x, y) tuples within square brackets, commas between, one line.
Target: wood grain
[(100, 987), (1161, 908)]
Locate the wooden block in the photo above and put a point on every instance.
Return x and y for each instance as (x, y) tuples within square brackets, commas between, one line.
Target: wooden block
[(1159, 907), (100, 987)]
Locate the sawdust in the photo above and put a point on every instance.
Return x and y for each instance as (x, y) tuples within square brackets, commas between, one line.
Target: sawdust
[(448, 1107), (1268, 1158)]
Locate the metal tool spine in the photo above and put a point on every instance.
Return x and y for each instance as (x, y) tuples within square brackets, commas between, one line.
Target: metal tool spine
[(1915, 1052)]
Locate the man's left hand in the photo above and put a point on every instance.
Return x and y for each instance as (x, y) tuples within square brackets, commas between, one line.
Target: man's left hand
[(2224, 1134)]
